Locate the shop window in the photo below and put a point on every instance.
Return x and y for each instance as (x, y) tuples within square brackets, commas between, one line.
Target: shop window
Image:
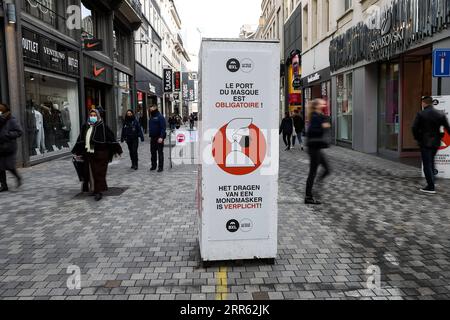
[(122, 94), (345, 107), (52, 113), (52, 13), (389, 115), (121, 46), (88, 22)]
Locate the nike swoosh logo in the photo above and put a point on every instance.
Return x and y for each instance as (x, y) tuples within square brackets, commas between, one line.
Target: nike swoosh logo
[(98, 72), (92, 45)]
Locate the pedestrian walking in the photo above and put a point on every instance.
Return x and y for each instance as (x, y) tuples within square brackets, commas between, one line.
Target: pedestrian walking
[(172, 123), (316, 141), (131, 133), (427, 131), (299, 126), (97, 145), (191, 121), (157, 130), (287, 128), (10, 131)]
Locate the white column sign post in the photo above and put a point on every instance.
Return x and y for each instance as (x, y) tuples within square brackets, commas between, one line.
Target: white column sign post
[(442, 103), (239, 149)]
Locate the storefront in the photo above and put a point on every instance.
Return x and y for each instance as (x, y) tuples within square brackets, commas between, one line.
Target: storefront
[(318, 86), (52, 115), (149, 93), (380, 74), (98, 88), (3, 74), (122, 97)]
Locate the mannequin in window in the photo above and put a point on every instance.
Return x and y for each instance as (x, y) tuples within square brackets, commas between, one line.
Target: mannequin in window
[(40, 132), (45, 109), (67, 124), (57, 125), (31, 129)]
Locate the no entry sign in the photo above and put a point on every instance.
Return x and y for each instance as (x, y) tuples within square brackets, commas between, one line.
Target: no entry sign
[(238, 180)]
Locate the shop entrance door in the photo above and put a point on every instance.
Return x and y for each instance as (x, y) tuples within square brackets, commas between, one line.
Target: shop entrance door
[(389, 108), (417, 75), (95, 97)]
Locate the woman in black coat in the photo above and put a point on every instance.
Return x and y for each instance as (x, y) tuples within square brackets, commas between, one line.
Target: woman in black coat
[(131, 133), (287, 129), (97, 146), (10, 131), (316, 141)]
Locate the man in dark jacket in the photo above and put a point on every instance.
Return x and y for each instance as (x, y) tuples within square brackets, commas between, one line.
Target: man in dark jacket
[(10, 131), (427, 132), (131, 132), (287, 128), (299, 126), (157, 130)]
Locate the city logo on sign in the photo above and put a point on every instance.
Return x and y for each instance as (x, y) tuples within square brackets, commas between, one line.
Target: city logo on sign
[(239, 147), (247, 65), (98, 72), (246, 225), (233, 226), (233, 65)]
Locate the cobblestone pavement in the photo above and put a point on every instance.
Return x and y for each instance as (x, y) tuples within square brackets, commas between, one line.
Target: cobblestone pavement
[(142, 244)]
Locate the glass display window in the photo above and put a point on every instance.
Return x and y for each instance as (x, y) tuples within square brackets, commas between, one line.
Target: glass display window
[(344, 84), (52, 113), (122, 94)]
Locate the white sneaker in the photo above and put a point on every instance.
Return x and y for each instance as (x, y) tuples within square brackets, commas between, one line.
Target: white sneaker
[(428, 191)]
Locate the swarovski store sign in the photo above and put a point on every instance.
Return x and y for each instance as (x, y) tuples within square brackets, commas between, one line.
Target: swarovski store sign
[(389, 31), (44, 53)]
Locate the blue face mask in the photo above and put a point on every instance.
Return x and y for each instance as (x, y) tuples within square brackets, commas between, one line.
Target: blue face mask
[(93, 120)]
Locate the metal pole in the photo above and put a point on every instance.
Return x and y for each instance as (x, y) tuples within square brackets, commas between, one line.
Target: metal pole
[(439, 88)]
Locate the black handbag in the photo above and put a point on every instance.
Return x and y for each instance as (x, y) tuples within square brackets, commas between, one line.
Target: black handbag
[(79, 164)]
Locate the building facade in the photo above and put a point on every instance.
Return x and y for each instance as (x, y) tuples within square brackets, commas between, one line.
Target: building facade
[(318, 25), (293, 59), (62, 59), (3, 73), (271, 27), (381, 66), (149, 70), (174, 57)]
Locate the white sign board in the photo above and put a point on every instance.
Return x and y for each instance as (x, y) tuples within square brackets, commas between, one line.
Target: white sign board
[(239, 151), (443, 156)]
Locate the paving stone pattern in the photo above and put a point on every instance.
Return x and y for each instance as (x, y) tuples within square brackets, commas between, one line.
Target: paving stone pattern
[(142, 243)]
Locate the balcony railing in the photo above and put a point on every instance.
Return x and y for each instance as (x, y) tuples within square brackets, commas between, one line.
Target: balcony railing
[(45, 11)]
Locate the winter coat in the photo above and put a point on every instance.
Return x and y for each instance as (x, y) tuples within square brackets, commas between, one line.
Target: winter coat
[(427, 126), (157, 126), (10, 131), (102, 139), (316, 134), (299, 123), (287, 126), (131, 131)]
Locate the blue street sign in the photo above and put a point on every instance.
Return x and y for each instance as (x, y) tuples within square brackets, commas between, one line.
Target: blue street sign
[(441, 63)]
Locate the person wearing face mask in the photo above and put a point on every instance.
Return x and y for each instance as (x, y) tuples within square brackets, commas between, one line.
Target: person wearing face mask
[(157, 130), (97, 145), (131, 132), (10, 131)]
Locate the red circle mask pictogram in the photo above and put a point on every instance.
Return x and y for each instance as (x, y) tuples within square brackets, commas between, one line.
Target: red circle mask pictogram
[(239, 147)]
